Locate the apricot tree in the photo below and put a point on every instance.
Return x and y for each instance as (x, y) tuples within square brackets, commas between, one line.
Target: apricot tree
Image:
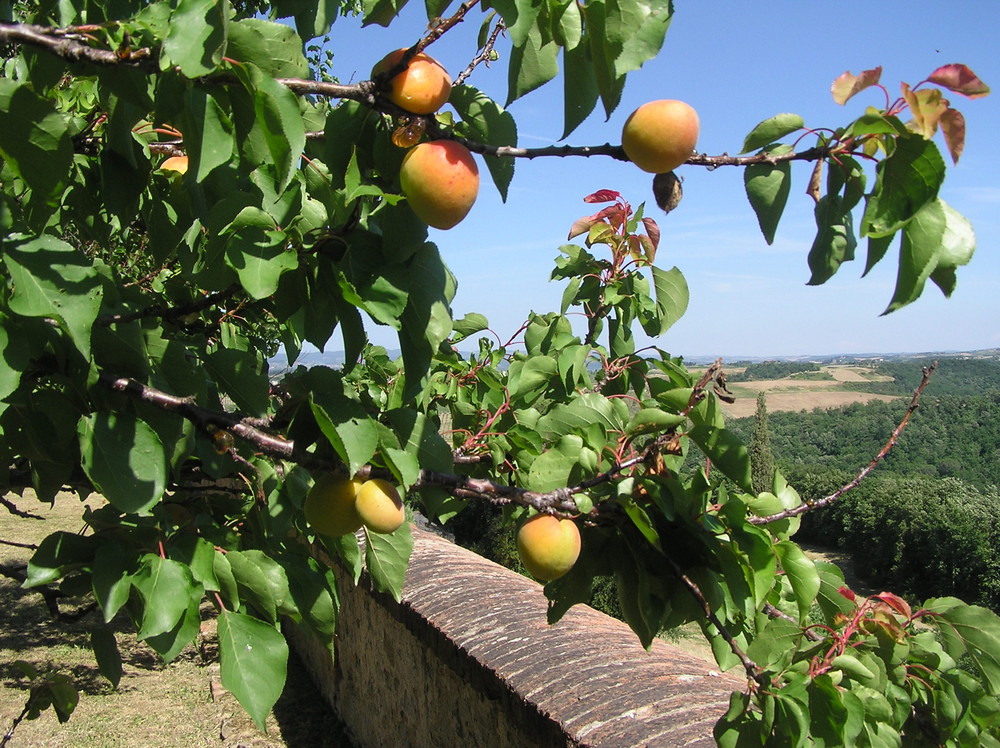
[(184, 190)]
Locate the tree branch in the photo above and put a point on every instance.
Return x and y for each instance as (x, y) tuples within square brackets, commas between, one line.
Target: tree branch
[(60, 42), (157, 310), (863, 473), (13, 509)]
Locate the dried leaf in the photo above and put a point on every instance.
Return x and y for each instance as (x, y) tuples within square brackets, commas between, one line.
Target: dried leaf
[(958, 78), (846, 85), (814, 188), (953, 128), (667, 191)]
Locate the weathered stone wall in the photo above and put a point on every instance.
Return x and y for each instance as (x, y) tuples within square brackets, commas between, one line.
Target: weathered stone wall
[(467, 659)]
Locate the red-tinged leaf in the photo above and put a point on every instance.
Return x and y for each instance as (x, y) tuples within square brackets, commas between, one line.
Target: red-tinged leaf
[(847, 592), (602, 196), (927, 106), (846, 85), (895, 602), (953, 128), (958, 78), (653, 232), (581, 226)]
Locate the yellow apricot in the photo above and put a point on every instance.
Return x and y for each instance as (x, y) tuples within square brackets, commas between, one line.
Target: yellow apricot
[(548, 546), (422, 88), (441, 182), (660, 135), (331, 505), (176, 163), (379, 506)]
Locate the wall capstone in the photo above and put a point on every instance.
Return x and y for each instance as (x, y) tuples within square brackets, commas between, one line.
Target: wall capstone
[(467, 659)]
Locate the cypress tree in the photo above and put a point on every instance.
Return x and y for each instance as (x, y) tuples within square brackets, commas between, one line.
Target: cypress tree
[(761, 458)]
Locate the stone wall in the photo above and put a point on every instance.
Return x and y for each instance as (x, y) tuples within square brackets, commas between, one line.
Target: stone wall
[(467, 659)]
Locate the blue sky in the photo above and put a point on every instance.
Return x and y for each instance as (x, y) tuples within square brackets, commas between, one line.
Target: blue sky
[(737, 63)]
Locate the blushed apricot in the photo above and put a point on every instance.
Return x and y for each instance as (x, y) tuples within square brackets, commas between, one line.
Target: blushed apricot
[(660, 135), (441, 182), (422, 88)]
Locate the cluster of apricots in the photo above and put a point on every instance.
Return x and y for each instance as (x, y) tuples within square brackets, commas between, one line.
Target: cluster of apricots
[(338, 506), (440, 178)]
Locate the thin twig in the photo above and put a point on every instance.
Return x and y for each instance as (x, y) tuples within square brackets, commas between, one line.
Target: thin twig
[(863, 473), (157, 310), (484, 55)]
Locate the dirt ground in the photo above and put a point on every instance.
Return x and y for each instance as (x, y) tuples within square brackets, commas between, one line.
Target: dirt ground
[(155, 705)]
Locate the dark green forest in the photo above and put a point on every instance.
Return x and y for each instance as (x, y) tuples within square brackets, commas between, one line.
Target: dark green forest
[(926, 522), (772, 370)]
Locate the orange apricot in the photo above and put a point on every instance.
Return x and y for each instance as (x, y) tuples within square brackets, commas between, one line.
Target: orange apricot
[(441, 182), (548, 546), (422, 88), (660, 135)]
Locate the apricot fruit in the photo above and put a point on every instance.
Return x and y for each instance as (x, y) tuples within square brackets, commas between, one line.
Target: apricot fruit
[(660, 135), (331, 505), (176, 163), (441, 182), (379, 506), (422, 88), (548, 546)]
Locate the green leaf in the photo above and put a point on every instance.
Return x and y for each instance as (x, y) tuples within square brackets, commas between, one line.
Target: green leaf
[(488, 123), (196, 37), (427, 317), (56, 555), (277, 131), (531, 65), (923, 242), (767, 187), (258, 252), (772, 130), (906, 181), (651, 421), (635, 31), (350, 431), (52, 279), (971, 630), (877, 247), (254, 660), (124, 459), (274, 46), (262, 581), (167, 590), (386, 558), (111, 578), (580, 92), (801, 572), (210, 133), (470, 324), (563, 464), (109, 659), (36, 142), (671, 299), (171, 643), (835, 241), (242, 376), (726, 452), (957, 247)]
